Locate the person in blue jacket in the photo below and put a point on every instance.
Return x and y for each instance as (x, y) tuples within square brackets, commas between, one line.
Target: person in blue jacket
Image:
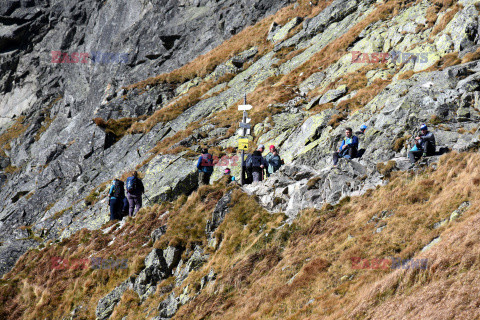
[(348, 149), (424, 145), (205, 168)]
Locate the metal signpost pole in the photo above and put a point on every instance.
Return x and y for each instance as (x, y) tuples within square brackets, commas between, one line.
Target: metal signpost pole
[(243, 140), (242, 178)]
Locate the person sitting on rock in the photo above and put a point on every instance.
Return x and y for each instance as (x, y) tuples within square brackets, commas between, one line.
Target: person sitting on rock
[(256, 163), (424, 145), (348, 148), (273, 160), (205, 168)]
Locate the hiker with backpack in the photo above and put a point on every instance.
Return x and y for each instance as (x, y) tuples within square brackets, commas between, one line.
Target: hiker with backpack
[(256, 163), (348, 148), (116, 198), (274, 161), (135, 189), (205, 168), (424, 145)]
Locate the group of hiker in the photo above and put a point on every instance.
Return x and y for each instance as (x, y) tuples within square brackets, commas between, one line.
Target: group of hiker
[(123, 203), (256, 166), (424, 145), (126, 198)]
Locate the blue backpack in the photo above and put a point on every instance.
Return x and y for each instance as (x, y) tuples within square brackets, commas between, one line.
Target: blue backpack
[(207, 163), (132, 184)]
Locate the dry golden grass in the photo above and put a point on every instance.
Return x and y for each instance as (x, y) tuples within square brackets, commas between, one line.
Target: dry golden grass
[(432, 13), (257, 258), (320, 251), (400, 143), (33, 290), (471, 56), (446, 18), (406, 75), (446, 61), (117, 127)]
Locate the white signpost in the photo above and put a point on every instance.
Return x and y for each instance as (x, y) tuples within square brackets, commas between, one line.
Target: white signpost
[(245, 129), (244, 107)]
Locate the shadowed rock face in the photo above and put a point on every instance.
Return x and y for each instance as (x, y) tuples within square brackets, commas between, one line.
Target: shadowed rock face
[(126, 41)]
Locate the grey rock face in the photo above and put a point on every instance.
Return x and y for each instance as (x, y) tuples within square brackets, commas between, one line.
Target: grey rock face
[(158, 266), (195, 261), (107, 304), (168, 307), (168, 176), (157, 233), (296, 187), (73, 156), (221, 209)]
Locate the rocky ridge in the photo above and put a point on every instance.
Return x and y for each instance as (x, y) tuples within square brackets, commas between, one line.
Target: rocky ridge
[(306, 128)]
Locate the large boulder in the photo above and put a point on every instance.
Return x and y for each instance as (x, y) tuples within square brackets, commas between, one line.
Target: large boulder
[(106, 305), (168, 176)]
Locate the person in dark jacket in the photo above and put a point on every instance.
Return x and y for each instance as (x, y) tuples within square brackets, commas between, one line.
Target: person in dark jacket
[(424, 145), (256, 163), (135, 189), (348, 149), (116, 197), (205, 168), (274, 161)]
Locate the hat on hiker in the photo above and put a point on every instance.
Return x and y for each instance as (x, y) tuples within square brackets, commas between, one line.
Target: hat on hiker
[(272, 147), (423, 127), (363, 127), (226, 171), (261, 146)]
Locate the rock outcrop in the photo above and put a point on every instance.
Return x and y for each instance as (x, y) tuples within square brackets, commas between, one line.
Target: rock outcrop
[(69, 127)]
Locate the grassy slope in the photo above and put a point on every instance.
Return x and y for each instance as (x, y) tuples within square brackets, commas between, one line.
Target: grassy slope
[(319, 253), (257, 258)]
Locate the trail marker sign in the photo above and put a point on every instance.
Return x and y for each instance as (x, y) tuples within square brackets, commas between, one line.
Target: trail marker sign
[(244, 107), (243, 143)]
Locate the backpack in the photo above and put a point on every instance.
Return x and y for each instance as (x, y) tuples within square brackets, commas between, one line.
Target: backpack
[(118, 191), (256, 161), (132, 184), (207, 163)]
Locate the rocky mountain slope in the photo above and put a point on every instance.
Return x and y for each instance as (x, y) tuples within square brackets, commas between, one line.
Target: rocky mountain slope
[(55, 154), (309, 70)]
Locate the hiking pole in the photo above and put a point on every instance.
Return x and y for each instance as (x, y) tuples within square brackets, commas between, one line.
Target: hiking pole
[(148, 199)]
